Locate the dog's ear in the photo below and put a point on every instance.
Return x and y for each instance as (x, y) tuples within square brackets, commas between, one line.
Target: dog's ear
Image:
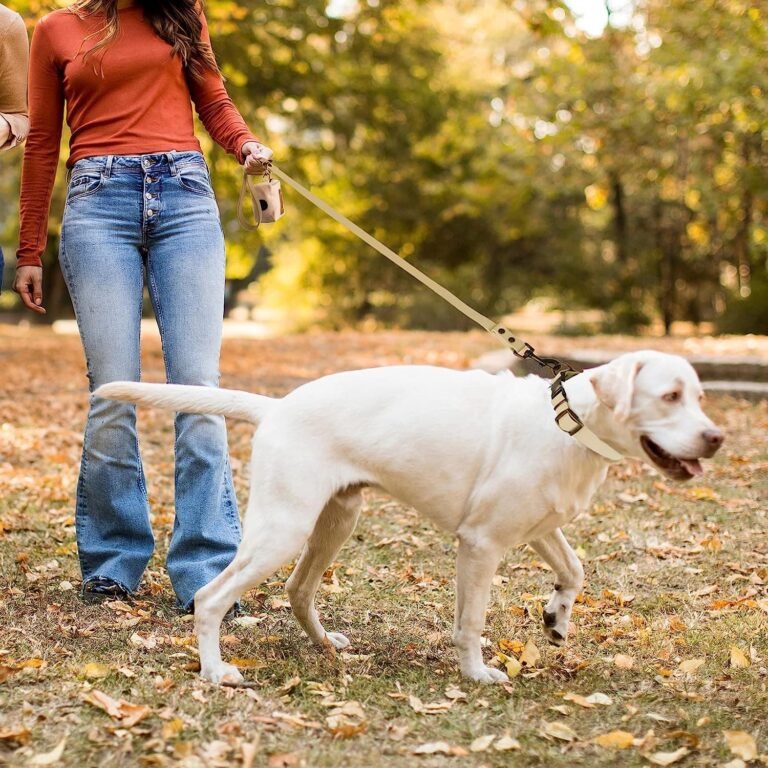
[(614, 385)]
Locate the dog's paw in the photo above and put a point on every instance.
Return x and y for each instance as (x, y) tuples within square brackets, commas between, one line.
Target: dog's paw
[(554, 636), (337, 640), (555, 630), (224, 674), (487, 675)]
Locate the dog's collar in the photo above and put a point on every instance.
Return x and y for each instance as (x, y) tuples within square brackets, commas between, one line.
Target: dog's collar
[(572, 425)]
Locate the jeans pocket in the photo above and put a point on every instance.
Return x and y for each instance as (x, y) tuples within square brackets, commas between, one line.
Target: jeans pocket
[(84, 183), (194, 178)]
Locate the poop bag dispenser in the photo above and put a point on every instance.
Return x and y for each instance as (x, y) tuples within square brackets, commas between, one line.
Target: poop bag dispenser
[(266, 199)]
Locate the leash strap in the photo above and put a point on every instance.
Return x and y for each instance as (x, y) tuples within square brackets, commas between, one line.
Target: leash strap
[(241, 217), (565, 418)]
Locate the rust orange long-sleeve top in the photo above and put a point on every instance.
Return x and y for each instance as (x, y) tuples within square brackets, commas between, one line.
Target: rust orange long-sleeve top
[(132, 97)]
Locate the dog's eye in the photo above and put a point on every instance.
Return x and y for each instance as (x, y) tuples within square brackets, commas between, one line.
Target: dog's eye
[(671, 397)]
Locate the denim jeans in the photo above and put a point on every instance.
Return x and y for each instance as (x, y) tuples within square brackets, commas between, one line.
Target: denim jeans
[(126, 218)]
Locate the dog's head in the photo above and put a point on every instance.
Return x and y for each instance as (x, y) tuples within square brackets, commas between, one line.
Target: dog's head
[(655, 403)]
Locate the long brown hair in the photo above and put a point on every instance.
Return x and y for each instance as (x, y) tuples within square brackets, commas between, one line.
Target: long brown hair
[(177, 22)]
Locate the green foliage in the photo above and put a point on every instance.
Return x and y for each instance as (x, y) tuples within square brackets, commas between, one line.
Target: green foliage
[(501, 149), (749, 314)]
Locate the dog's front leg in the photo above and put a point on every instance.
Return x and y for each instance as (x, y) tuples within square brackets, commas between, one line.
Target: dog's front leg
[(557, 552), (477, 562)]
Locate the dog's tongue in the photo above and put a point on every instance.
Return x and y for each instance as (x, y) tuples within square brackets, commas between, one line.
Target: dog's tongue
[(693, 466)]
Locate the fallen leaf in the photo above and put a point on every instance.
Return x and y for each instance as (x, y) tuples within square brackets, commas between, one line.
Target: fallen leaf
[(481, 743), (33, 663), (172, 728), (739, 659), (512, 665), (615, 739), (126, 713), (623, 661), (455, 694), (667, 758), (741, 744), (530, 655), (600, 698), (342, 728), (248, 663), (139, 641), (558, 730), (49, 758), (689, 666), (18, 735), (505, 743), (433, 748), (103, 701), (708, 590), (94, 671)]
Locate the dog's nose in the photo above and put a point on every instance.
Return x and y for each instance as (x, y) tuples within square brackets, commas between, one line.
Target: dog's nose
[(713, 438)]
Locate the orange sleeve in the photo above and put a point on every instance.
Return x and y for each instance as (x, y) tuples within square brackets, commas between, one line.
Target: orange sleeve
[(41, 157), (216, 110)]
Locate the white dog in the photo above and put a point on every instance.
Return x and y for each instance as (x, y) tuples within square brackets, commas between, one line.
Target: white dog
[(479, 455)]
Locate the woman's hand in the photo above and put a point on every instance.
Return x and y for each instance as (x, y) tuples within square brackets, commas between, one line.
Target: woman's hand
[(256, 157), (29, 285)]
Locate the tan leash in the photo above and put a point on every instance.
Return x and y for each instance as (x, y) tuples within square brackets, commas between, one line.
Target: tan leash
[(565, 418)]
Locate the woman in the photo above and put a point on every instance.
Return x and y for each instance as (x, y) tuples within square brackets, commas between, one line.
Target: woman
[(14, 55), (139, 202)]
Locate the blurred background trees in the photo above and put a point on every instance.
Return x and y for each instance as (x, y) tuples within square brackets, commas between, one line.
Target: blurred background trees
[(504, 149)]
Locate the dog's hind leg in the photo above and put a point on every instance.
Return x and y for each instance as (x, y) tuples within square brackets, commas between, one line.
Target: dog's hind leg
[(277, 525), (333, 528), (557, 552), (477, 561)]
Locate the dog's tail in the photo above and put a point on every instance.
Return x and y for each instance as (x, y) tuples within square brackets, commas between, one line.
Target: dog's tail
[(231, 403)]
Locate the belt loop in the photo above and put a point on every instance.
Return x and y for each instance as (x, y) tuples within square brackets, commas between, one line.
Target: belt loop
[(171, 163), (108, 166)]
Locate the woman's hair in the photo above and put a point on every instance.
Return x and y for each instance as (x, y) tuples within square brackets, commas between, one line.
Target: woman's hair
[(177, 22)]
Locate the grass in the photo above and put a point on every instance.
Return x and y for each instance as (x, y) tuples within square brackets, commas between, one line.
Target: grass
[(674, 573)]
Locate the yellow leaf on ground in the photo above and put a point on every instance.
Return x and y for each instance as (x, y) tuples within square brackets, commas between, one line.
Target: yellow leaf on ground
[(689, 666), (512, 665), (94, 671), (530, 655), (623, 661), (615, 739), (172, 728), (248, 663), (558, 730), (741, 744), (739, 658), (667, 758)]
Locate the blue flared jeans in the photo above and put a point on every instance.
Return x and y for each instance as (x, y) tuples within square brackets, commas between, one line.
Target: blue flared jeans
[(128, 219)]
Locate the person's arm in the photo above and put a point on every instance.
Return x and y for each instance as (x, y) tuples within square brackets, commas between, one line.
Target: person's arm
[(14, 60), (221, 118), (46, 112)]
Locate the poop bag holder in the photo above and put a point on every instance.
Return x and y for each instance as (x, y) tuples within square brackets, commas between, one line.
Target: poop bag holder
[(266, 198)]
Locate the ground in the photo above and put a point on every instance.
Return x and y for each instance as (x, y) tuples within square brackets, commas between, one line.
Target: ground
[(670, 629)]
